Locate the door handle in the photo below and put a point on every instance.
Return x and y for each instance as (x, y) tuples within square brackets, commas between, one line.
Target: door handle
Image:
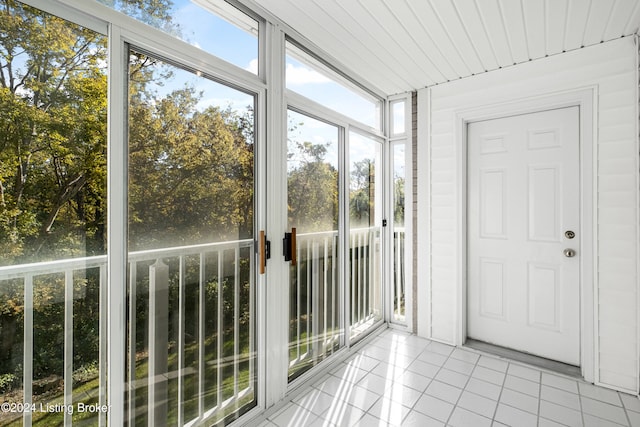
[(264, 249), (569, 253), (289, 246)]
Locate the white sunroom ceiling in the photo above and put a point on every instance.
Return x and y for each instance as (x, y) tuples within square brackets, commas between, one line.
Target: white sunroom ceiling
[(402, 45)]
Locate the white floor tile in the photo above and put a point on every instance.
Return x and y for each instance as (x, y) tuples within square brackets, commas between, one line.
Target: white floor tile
[(560, 382), (375, 383), (543, 422), (599, 393), (634, 418), (452, 378), (603, 410), (293, 416), (515, 417), (444, 391), (493, 363), (389, 411), (560, 414), (402, 394), (386, 370), (417, 419), (432, 358), (444, 349), (522, 385), (520, 401), (459, 366), (343, 415), (463, 418), (361, 398), (631, 403), (369, 420), (433, 407), (423, 368), (414, 380), (315, 401), (465, 356), (524, 372), (349, 373), (484, 388), (488, 375), (591, 421), (478, 404), (445, 385), (332, 385), (560, 397)]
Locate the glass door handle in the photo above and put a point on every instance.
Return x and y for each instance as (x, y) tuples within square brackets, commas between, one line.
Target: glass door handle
[(289, 246), (264, 249)]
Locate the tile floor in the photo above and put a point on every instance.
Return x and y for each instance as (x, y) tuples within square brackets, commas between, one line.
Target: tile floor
[(401, 379)]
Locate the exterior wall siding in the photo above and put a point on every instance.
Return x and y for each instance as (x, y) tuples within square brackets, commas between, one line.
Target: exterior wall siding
[(612, 68)]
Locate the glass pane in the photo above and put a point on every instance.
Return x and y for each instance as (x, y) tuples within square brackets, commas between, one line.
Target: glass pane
[(397, 118), (213, 26), (365, 204), (53, 210), (312, 174), (309, 78), (398, 291), (191, 313)]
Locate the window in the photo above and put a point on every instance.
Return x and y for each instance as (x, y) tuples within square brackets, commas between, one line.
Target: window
[(53, 210), (397, 117), (310, 78), (365, 223), (191, 275), (211, 25)]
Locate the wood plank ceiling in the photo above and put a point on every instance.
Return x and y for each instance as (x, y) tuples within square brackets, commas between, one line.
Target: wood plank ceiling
[(402, 45)]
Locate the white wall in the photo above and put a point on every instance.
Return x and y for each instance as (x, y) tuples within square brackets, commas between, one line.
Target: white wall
[(612, 68)]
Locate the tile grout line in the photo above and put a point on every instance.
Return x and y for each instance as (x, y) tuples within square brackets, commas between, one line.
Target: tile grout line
[(463, 389)]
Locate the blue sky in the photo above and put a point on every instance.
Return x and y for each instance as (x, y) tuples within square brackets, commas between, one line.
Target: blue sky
[(239, 46)]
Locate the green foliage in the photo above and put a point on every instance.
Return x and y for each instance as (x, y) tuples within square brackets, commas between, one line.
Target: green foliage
[(8, 382), (312, 189)]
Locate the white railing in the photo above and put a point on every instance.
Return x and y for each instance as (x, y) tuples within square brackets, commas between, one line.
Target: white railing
[(316, 318), (314, 300), (158, 329), (27, 273), (398, 289)]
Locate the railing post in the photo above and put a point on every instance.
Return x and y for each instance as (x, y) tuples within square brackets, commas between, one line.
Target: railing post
[(158, 343)]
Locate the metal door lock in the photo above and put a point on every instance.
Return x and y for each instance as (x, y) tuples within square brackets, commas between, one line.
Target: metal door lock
[(569, 234), (569, 253)]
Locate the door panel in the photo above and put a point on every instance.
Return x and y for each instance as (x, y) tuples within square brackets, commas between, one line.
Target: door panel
[(191, 338), (523, 186), (315, 330)]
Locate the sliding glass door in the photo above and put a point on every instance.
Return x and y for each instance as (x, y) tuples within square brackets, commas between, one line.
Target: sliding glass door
[(191, 278), (313, 191)]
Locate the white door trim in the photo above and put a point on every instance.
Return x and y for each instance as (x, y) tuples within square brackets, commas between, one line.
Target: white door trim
[(585, 100)]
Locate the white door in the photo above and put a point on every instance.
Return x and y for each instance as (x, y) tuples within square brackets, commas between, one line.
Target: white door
[(523, 224)]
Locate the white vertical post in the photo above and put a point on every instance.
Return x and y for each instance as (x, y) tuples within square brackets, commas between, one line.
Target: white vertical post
[(131, 377), (325, 288), (117, 220), (158, 343), (315, 300), (220, 332), (102, 356), (201, 334), (68, 345), (27, 380), (236, 319), (181, 328)]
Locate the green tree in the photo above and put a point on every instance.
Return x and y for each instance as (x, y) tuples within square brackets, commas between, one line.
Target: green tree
[(312, 188), (362, 193), (52, 136)]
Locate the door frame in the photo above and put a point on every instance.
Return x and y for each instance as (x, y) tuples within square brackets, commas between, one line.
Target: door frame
[(584, 99)]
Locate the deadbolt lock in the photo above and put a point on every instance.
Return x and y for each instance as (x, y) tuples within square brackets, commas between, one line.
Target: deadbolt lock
[(569, 234)]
